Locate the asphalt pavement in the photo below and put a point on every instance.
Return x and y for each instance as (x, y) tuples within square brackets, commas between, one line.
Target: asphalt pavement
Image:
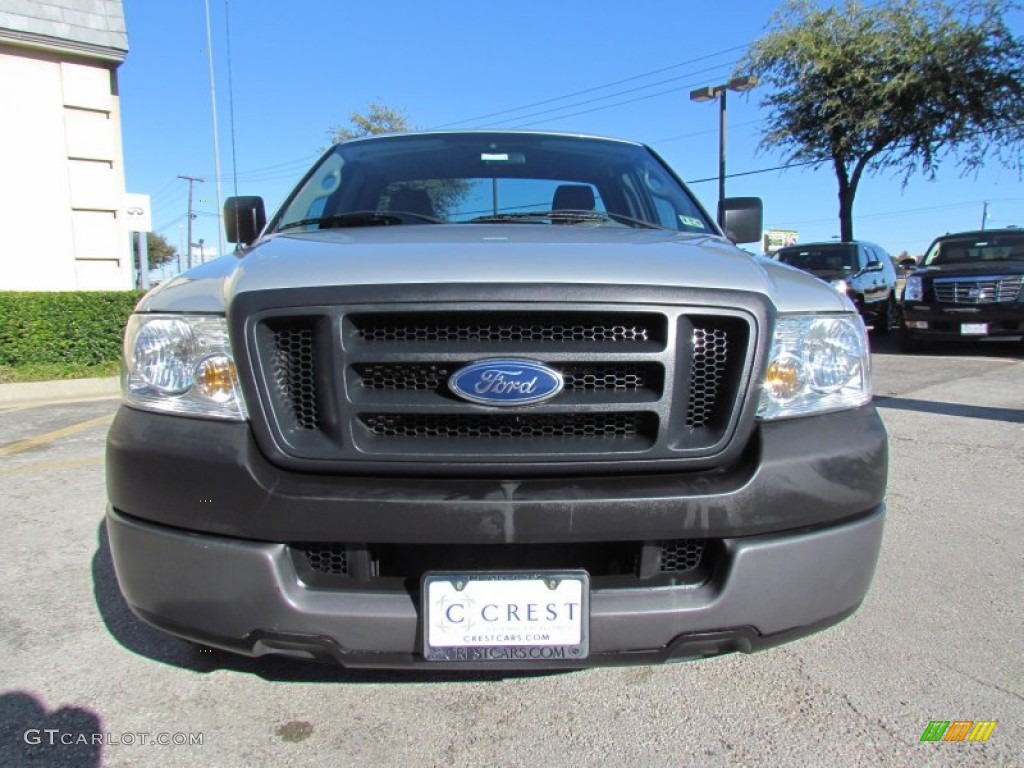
[(939, 637)]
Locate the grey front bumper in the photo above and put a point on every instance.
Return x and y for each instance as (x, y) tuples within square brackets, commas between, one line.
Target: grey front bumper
[(246, 597)]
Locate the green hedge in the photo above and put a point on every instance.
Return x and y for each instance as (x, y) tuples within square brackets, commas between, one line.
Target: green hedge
[(68, 328)]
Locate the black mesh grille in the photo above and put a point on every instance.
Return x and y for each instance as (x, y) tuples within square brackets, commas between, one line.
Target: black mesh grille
[(618, 378), (708, 365), (292, 370), (610, 563), (497, 328), (402, 376), (680, 555), (328, 558), (578, 378), (570, 425)]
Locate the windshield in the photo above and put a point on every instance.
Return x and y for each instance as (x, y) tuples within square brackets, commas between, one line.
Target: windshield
[(483, 178), (981, 247), (826, 258)]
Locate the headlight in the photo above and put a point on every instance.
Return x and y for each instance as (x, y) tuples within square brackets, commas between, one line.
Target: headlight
[(818, 363), (913, 290), (181, 364), (841, 285)]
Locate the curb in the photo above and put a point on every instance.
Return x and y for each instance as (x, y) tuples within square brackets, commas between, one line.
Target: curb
[(62, 391)]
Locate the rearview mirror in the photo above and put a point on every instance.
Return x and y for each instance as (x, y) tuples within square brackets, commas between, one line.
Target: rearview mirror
[(244, 219), (741, 218)]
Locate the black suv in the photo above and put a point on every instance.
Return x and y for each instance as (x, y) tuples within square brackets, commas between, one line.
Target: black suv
[(861, 270), (970, 285)]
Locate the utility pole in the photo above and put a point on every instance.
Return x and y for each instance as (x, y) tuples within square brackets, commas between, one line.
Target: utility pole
[(984, 214), (190, 180)]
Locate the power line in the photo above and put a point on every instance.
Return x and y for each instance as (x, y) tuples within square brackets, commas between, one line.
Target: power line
[(626, 92), (702, 133), (595, 88), (668, 92), (759, 170)]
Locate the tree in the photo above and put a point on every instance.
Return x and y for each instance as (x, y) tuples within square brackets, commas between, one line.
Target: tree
[(160, 251), (898, 85), (445, 194), (379, 118)]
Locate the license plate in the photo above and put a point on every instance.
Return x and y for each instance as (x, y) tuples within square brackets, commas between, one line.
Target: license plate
[(506, 616), (974, 329)]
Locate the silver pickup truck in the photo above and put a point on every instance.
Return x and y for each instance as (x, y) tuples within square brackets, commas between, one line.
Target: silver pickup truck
[(494, 400)]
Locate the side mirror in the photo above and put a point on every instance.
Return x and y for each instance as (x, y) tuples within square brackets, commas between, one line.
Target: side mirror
[(244, 219), (873, 266), (908, 264), (741, 218)]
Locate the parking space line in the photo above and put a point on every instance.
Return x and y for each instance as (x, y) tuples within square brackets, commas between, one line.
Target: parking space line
[(51, 466), (27, 406), (32, 442)]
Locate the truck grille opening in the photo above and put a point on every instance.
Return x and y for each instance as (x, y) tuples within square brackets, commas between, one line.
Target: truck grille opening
[(574, 425), (578, 378), (610, 564), (370, 388), (292, 370), (709, 361), (500, 328)]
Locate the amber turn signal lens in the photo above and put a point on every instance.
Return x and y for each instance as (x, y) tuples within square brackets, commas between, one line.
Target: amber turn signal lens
[(216, 378), (784, 378)]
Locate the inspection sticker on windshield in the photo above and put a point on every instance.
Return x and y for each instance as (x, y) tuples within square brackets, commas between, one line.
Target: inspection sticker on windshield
[(690, 221), (506, 616)]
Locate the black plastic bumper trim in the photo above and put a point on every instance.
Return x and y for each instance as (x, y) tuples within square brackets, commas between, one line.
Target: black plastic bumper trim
[(210, 477)]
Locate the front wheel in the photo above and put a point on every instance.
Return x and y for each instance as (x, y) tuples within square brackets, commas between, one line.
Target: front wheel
[(888, 318)]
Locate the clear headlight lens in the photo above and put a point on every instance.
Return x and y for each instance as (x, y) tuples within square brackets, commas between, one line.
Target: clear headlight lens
[(818, 363), (181, 364), (913, 290)]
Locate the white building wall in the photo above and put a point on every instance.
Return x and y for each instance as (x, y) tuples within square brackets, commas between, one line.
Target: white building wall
[(62, 179)]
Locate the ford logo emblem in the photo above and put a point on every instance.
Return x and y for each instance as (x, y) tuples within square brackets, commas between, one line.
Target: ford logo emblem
[(506, 382)]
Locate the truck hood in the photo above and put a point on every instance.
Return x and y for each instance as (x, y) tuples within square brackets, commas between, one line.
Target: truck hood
[(490, 253)]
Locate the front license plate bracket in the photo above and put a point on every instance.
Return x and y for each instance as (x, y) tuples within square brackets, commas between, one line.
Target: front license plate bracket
[(506, 616)]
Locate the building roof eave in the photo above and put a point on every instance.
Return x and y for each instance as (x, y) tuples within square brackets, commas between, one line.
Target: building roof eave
[(61, 46)]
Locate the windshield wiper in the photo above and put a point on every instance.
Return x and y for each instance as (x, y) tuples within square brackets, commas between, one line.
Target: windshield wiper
[(570, 216), (358, 219)]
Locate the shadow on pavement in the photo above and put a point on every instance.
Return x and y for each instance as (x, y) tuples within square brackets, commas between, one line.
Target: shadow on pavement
[(1011, 415), (142, 639), (31, 736), (1008, 349)]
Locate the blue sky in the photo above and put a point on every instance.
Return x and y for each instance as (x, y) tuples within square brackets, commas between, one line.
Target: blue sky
[(600, 67)]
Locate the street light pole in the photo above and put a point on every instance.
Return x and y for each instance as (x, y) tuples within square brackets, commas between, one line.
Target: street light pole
[(719, 91), (721, 147)]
